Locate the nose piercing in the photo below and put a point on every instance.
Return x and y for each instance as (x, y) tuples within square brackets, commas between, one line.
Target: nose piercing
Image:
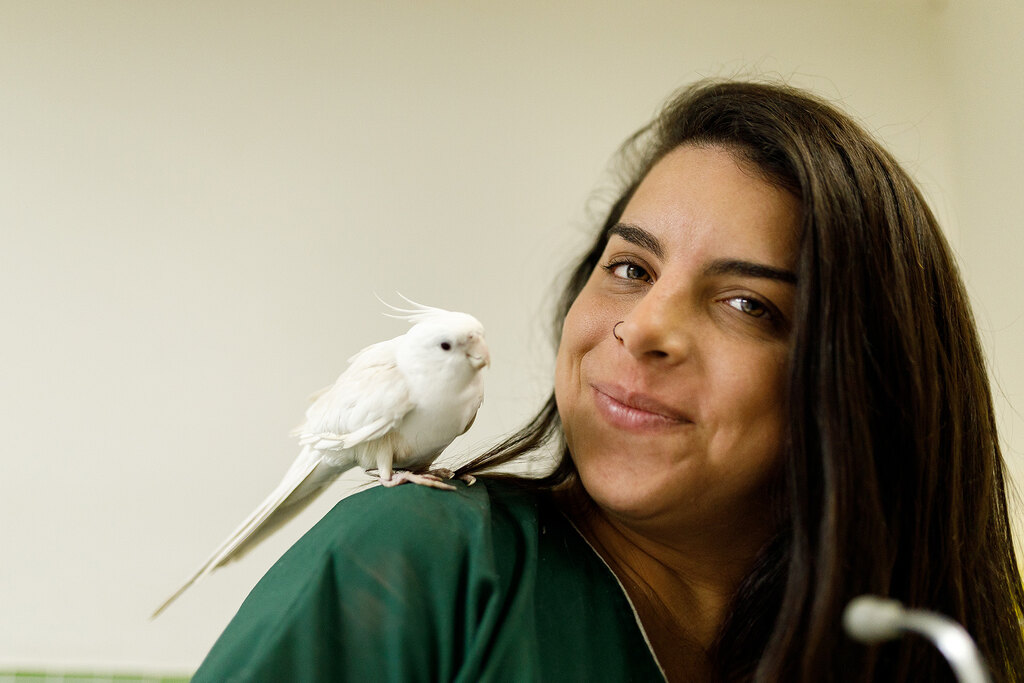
[(613, 330)]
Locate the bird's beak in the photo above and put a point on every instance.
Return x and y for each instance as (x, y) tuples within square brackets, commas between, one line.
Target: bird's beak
[(478, 353)]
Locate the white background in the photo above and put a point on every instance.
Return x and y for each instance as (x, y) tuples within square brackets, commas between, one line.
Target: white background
[(198, 201)]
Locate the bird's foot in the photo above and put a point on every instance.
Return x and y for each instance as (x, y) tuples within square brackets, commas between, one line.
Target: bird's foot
[(445, 473), (428, 479)]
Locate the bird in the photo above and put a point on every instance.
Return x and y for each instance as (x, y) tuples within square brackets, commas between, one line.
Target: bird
[(394, 409)]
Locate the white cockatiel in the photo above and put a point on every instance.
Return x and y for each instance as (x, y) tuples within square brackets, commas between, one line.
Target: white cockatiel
[(399, 404)]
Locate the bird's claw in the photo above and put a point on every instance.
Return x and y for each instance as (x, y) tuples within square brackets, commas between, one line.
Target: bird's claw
[(428, 479), (445, 473)]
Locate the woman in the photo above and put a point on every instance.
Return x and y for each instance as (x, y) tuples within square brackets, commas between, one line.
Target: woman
[(769, 398)]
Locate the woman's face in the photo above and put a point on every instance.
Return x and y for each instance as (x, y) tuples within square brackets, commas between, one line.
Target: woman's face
[(679, 421)]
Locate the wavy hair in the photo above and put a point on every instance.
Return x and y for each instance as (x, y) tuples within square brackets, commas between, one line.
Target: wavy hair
[(893, 476)]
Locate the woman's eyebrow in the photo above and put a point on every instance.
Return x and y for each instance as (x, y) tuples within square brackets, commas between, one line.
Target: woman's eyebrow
[(749, 269), (645, 240), (639, 237)]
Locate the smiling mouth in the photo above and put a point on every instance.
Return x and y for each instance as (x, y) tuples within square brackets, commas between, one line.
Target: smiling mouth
[(634, 412)]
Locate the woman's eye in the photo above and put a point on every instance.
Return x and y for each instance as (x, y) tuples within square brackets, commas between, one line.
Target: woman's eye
[(628, 271), (751, 307)]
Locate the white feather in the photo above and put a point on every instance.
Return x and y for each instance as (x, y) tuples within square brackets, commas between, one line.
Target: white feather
[(417, 313)]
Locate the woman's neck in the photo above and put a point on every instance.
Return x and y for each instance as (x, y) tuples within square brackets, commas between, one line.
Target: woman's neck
[(682, 589)]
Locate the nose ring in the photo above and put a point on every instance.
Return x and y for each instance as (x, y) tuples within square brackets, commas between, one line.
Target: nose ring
[(613, 330)]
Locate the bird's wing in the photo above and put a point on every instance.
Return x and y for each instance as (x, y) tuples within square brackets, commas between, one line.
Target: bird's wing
[(307, 476), (369, 400), (330, 441)]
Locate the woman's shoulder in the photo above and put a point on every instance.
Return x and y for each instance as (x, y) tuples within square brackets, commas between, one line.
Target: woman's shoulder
[(412, 583), (409, 518), (467, 499), (390, 585)]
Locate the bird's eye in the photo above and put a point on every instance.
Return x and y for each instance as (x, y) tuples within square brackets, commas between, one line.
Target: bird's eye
[(446, 346)]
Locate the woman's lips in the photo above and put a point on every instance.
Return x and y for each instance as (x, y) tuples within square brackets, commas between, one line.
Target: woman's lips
[(634, 411)]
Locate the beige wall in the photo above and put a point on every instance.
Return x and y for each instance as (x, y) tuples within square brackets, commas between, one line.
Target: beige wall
[(983, 61), (198, 201)]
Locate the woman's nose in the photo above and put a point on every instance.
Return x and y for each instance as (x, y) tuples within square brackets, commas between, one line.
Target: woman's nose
[(657, 328)]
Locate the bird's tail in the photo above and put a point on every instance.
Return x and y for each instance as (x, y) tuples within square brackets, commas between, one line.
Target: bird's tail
[(306, 478)]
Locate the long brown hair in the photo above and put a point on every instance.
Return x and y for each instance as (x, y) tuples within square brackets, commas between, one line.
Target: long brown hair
[(894, 480)]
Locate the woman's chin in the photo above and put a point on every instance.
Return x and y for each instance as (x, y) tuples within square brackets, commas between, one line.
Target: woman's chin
[(629, 497)]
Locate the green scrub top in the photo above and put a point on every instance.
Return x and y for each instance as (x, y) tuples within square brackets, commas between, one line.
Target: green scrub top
[(486, 583)]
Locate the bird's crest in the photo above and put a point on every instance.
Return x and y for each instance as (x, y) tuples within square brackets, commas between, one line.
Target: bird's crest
[(417, 314)]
